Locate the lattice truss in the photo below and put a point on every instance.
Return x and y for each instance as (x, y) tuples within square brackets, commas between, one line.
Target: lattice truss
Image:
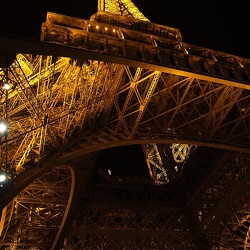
[(217, 197), (123, 7), (34, 217), (131, 220), (151, 87), (47, 108), (50, 102), (166, 162), (236, 234)]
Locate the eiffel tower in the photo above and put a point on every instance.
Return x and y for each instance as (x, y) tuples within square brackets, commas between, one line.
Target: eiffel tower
[(88, 87)]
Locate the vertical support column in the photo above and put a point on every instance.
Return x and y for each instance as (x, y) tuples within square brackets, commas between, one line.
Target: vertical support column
[(101, 5)]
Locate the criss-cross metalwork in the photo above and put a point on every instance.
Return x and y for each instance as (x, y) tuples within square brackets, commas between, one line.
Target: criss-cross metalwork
[(118, 79)]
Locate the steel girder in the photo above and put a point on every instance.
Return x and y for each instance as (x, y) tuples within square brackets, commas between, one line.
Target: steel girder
[(140, 84), (135, 216)]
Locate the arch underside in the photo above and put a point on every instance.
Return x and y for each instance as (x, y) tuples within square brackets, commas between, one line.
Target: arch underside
[(202, 211), (61, 108), (35, 215)]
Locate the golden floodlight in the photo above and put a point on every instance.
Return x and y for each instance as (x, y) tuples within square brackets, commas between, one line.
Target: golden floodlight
[(3, 127), (6, 86), (3, 177)]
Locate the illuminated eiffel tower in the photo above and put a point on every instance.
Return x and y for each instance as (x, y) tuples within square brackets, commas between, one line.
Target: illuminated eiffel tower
[(120, 80)]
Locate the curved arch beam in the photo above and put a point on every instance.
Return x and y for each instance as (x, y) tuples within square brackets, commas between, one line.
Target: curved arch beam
[(42, 205), (100, 140), (83, 147)]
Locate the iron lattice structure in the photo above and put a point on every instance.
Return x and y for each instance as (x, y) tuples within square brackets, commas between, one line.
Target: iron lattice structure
[(114, 80)]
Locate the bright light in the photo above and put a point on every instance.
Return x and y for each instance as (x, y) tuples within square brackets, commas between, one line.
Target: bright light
[(6, 86), (3, 177), (3, 127)]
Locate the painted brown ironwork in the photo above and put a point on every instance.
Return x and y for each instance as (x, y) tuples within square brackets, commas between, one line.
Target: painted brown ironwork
[(118, 79)]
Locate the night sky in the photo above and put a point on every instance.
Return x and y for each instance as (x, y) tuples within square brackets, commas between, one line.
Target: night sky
[(222, 27)]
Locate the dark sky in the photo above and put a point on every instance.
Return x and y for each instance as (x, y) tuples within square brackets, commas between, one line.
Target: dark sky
[(222, 27)]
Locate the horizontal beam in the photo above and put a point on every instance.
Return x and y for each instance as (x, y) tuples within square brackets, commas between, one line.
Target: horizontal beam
[(13, 45)]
